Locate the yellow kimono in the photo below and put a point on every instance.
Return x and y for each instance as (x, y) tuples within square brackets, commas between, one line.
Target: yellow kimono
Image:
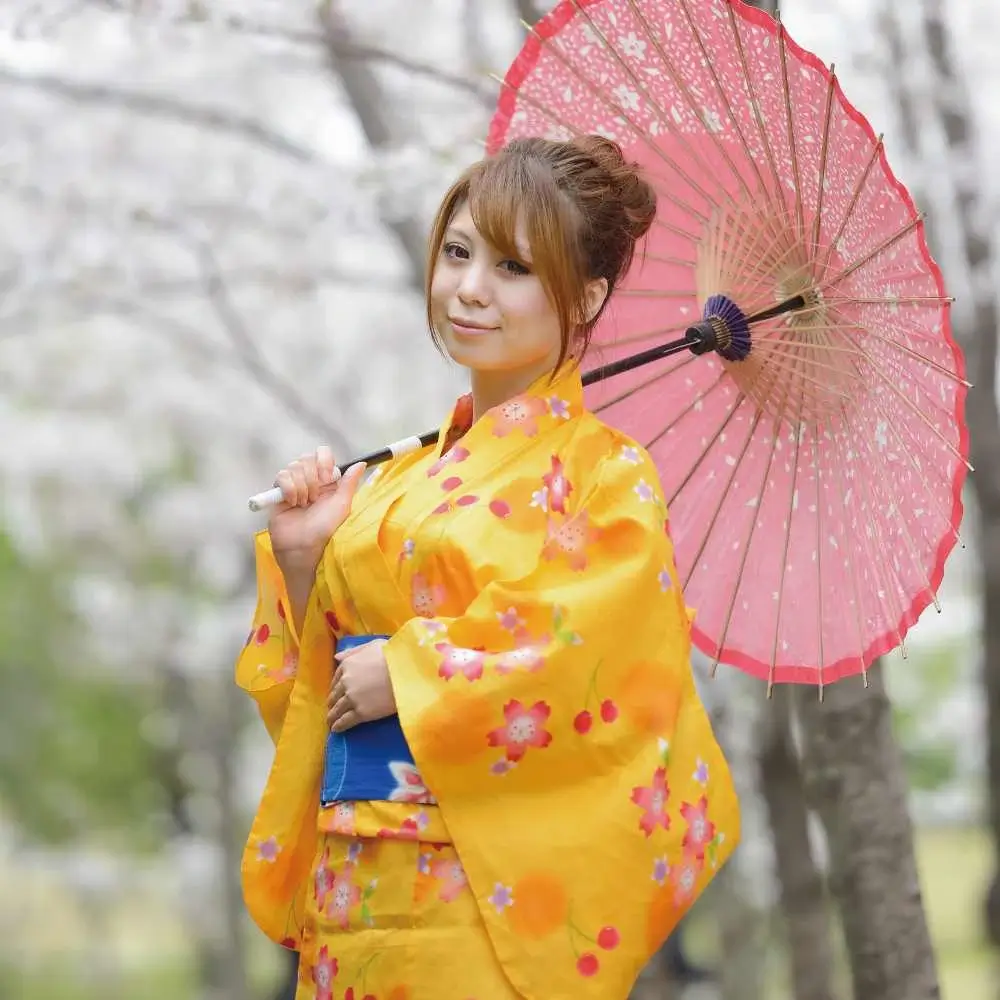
[(569, 801)]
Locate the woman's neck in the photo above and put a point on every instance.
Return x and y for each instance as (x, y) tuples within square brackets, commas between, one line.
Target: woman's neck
[(493, 388)]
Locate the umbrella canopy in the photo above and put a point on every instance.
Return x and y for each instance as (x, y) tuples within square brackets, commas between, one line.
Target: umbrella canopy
[(815, 484)]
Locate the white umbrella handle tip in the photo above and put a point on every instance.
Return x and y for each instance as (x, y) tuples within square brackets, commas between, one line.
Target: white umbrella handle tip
[(268, 498)]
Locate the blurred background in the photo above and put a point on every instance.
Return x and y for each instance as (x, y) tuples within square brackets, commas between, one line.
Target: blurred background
[(213, 220)]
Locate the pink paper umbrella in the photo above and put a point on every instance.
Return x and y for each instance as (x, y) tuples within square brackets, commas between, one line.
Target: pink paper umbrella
[(807, 417)]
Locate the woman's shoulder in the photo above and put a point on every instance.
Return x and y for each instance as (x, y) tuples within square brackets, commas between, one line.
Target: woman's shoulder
[(610, 453)]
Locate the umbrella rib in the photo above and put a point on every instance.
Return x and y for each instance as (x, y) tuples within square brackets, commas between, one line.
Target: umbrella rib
[(621, 113), (628, 393), (906, 450), (660, 259), (790, 119), (746, 548), (852, 204), (784, 566), (888, 507), (680, 416), (711, 444), (850, 553), (678, 81), (723, 494), (720, 90), (573, 130), (888, 579), (890, 241), (754, 103), (641, 338), (824, 153), (902, 348), (890, 300), (817, 477), (877, 368)]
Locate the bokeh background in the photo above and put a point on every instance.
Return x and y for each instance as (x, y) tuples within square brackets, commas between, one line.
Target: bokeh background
[(212, 225)]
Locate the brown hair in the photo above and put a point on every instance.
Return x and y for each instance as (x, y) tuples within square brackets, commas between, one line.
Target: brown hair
[(584, 209)]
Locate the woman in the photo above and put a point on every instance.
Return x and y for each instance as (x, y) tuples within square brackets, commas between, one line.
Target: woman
[(555, 799)]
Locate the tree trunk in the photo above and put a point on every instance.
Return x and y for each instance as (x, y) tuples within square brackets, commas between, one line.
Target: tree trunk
[(855, 780), (976, 328), (805, 907), (372, 106)]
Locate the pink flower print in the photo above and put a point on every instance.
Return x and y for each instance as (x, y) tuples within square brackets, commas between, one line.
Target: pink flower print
[(502, 767), (520, 413), (510, 620), (289, 667), (525, 727), (653, 802), (323, 974), (452, 876), (684, 877), (425, 598), (343, 819), (700, 831), (323, 880), (451, 457), (458, 660), (268, 850), (410, 785), (262, 635), (644, 492), (570, 539), (558, 486), (559, 408), (660, 871), (503, 897), (343, 895), (528, 658), (409, 829), (409, 546)]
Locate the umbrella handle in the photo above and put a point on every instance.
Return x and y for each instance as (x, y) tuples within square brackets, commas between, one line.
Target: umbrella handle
[(260, 501)]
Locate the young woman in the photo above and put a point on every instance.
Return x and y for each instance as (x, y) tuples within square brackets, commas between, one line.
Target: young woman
[(493, 777)]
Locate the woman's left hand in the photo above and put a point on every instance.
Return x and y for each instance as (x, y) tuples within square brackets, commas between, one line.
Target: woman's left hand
[(361, 689)]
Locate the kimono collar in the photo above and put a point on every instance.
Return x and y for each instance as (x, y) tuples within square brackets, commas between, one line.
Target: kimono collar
[(548, 401)]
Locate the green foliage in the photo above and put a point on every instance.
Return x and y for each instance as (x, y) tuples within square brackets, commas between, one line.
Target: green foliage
[(72, 757)]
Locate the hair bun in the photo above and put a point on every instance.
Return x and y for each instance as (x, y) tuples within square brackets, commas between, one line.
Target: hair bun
[(626, 180)]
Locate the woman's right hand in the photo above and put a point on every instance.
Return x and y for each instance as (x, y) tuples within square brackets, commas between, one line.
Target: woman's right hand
[(316, 503)]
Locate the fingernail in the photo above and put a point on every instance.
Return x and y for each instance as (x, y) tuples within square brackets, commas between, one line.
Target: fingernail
[(336, 474)]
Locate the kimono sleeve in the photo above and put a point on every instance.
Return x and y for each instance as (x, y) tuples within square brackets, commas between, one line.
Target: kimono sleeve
[(267, 665), (557, 724)]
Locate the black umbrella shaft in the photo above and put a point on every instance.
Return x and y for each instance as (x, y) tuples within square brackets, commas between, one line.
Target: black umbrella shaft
[(789, 305), (699, 339), (638, 360)]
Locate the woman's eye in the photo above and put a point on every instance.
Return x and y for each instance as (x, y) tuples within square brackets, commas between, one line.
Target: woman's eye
[(456, 251), (514, 267)]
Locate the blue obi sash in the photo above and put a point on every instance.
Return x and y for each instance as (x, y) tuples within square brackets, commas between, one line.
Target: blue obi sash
[(370, 762)]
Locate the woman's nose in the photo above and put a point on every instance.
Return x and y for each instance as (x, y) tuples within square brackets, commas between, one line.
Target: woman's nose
[(474, 288)]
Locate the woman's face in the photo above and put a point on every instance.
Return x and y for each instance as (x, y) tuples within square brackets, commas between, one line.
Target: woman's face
[(491, 312)]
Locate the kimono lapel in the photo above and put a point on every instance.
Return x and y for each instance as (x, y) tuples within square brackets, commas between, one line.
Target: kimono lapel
[(436, 483)]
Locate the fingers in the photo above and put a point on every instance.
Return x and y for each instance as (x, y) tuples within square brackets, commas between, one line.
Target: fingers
[(326, 468), (343, 706), (348, 720), (302, 480)]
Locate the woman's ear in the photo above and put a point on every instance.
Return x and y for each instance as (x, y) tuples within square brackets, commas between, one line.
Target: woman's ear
[(596, 294)]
